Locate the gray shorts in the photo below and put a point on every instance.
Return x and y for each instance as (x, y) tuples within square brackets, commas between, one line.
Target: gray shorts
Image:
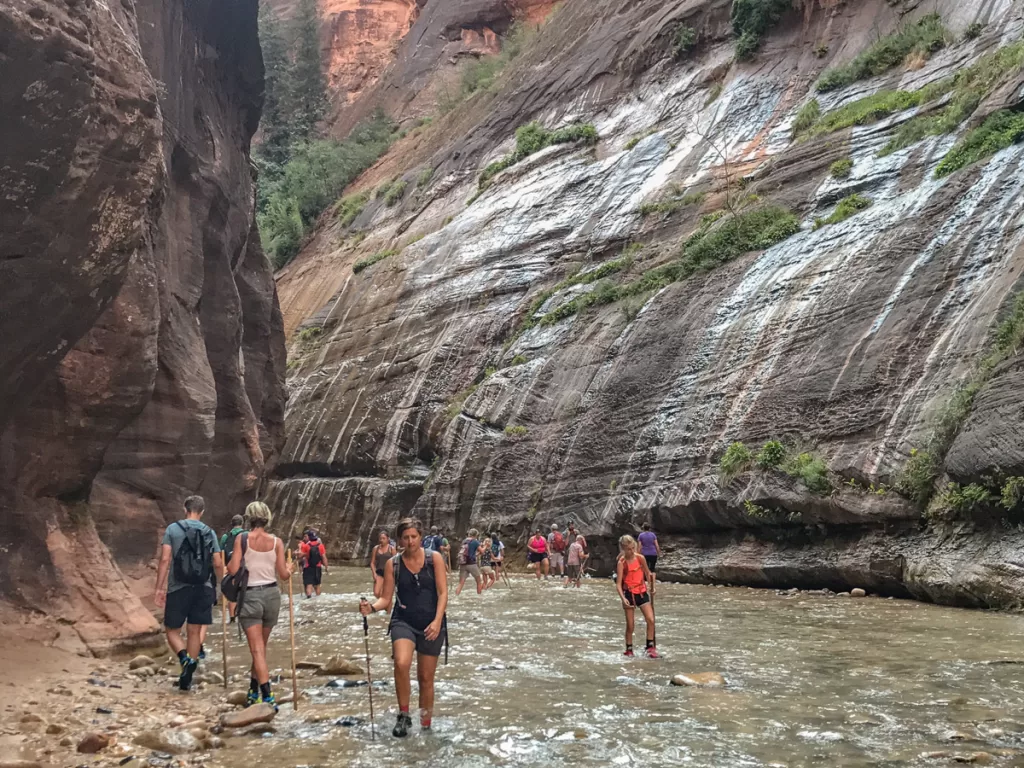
[(402, 631), (260, 607), (472, 569), (556, 560)]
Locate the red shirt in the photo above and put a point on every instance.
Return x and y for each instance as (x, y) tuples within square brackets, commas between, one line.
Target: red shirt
[(304, 551)]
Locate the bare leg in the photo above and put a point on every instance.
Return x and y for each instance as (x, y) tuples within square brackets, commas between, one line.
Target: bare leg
[(378, 585), (477, 577), (648, 611), (402, 651), (194, 636), (426, 666), (629, 625), (462, 582), (547, 567), (258, 649), (175, 640)]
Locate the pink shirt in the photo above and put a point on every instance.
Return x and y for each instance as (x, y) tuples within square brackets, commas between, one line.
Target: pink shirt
[(539, 544), (575, 553)]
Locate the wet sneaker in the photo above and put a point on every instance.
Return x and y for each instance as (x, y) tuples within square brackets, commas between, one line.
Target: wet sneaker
[(629, 653), (272, 702), (188, 668), (202, 652), (402, 725), (251, 698), (652, 653)]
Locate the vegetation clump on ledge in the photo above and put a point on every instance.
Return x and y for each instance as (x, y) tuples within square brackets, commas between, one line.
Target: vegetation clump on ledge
[(920, 39), (369, 261), (848, 206), (533, 137), (751, 21), (841, 169), (1000, 130), (806, 467)]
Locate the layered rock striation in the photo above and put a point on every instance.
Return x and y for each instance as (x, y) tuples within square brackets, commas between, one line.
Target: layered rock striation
[(453, 380), (143, 356)]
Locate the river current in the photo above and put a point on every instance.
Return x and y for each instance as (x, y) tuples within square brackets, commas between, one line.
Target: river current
[(536, 676)]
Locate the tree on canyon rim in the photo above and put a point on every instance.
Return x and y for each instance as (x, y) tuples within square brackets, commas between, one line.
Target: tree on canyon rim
[(309, 88)]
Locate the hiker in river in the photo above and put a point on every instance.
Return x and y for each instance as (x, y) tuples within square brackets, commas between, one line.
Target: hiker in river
[(484, 560), (314, 561), (497, 554), (635, 583), (380, 555), (446, 551), (189, 555), (576, 560), (556, 547), (418, 621), (650, 549), (468, 562), (227, 541), (262, 555), (537, 553), (571, 535)]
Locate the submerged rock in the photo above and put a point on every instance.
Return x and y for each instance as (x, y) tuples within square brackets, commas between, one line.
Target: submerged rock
[(341, 683)]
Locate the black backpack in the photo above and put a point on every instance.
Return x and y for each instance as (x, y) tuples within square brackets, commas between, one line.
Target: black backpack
[(233, 587), (193, 562), (313, 558)]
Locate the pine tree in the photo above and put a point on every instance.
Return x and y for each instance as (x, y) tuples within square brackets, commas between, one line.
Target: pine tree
[(308, 87), (276, 140)]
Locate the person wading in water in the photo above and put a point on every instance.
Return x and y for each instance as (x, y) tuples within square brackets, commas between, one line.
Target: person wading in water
[(575, 564), (227, 541), (497, 554), (380, 556), (418, 624), (632, 578), (537, 553), (650, 549), (262, 555), (314, 560), (467, 562)]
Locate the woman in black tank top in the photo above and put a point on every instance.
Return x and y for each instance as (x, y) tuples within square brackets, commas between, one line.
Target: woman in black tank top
[(418, 621), (380, 555)]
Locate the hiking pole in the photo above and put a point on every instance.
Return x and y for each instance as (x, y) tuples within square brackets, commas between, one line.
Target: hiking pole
[(369, 677), (224, 635), (583, 567), (291, 627)]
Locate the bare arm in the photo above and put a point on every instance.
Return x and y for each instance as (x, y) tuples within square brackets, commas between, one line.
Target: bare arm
[(648, 576), (283, 570), (323, 555), (218, 564), (619, 569), (162, 570), (387, 595), (441, 580), (657, 546), (373, 556)]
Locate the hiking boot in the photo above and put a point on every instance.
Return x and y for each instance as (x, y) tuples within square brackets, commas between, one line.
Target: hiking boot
[(271, 701), (402, 725), (202, 652), (629, 653), (652, 653), (188, 668), (252, 697)]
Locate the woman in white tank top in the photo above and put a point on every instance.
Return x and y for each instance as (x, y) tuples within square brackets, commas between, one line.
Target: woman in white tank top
[(264, 560)]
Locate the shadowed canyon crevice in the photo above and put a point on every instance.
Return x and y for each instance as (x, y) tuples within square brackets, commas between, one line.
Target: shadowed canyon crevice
[(455, 379), (144, 348)]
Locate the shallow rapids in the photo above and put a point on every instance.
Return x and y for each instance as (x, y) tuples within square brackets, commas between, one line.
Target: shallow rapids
[(536, 677)]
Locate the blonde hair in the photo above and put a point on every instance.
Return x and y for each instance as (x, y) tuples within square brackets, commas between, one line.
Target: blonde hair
[(627, 541), (258, 515)]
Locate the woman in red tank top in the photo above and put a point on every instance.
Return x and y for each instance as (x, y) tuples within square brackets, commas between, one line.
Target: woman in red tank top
[(635, 583)]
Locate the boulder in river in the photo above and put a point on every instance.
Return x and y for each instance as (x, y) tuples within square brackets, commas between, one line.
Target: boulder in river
[(858, 592), (173, 741), (92, 743), (339, 665), (237, 698), (306, 664), (259, 713), (700, 680), (141, 661)]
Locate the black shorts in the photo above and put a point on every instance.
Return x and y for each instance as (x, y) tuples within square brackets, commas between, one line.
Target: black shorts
[(652, 562), (536, 557), (402, 631), (311, 577), (192, 603), (636, 599)]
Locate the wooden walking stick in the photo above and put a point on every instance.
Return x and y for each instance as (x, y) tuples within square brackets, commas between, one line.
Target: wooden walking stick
[(369, 677), (224, 635), (291, 627)]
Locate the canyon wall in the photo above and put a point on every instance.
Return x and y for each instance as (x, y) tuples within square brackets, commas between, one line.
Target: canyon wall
[(144, 348), (440, 381)]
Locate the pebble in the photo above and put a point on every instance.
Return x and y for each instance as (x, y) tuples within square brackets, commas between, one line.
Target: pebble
[(54, 730), (700, 680), (858, 592), (104, 711), (140, 661), (260, 713), (30, 717), (93, 742)]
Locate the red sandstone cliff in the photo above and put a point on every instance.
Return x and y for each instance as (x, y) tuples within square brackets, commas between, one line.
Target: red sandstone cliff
[(143, 347)]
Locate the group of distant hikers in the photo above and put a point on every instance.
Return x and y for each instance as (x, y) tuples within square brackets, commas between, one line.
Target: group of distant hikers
[(410, 572)]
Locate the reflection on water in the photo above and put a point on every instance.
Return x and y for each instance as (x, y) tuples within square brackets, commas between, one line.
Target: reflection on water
[(536, 677)]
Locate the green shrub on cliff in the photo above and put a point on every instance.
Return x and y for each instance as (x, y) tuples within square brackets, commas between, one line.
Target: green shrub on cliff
[(395, 192), (683, 40), (1012, 493), (533, 137), (959, 502), (751, 21), (736, 460), (841, 169), (516, 433), (916, 481), (847, 207), (811, 471), (920, 39), (999, 131), (808, 115), (771, 455), (369, 261)]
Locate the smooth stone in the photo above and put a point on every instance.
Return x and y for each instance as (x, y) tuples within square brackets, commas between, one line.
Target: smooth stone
[(215, 742), (19, 764), (54, 729), (308, 664), (978, 758), (170, 740), (348, 721), (700, 680), (30, 717), (92, 743), (339, 665), (237, 698), (346, 683), (259, 713), (858, 592), (141, 661)]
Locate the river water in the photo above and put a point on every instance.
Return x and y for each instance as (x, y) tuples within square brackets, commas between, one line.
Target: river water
[(812, 680)]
